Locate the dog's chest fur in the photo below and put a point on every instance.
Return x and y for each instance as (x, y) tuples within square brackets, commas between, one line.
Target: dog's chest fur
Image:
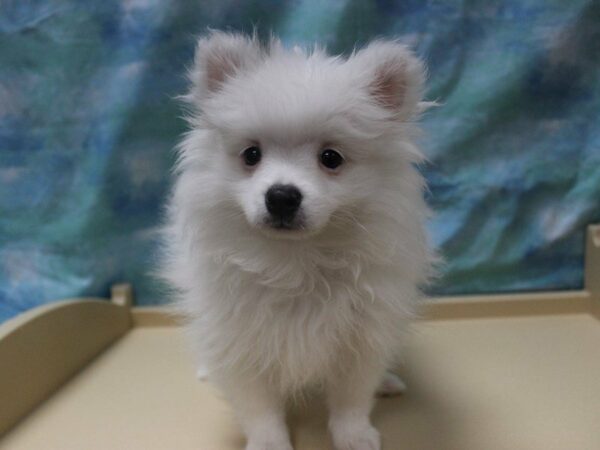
[(299, 318)]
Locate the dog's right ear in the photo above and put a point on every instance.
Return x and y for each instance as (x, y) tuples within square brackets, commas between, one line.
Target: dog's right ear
[(220, 56), (394, 77)]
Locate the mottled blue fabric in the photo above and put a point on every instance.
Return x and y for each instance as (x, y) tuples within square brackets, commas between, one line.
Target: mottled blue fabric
[(88, 121)]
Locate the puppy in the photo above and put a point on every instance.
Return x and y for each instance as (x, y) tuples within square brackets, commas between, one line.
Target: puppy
[(295, 239)]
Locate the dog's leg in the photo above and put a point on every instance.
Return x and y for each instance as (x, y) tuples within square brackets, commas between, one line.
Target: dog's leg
[(261, 413), (390, 385), (350, 401)]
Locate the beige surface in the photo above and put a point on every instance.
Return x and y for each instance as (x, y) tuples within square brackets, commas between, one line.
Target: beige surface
[(44, 347), (506, 383)]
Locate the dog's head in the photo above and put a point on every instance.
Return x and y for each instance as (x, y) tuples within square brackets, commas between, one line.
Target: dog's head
[(299, 137)]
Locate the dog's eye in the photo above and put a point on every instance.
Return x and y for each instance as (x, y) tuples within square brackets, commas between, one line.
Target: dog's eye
[(252, 156), (331, 159)]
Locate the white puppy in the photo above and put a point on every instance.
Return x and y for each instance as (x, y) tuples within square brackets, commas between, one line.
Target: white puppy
[(295, 239)]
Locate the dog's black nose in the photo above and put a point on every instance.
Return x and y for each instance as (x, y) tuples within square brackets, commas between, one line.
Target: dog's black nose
[(283, 201)]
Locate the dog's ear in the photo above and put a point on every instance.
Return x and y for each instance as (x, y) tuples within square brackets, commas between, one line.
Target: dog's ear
[(394, 77), (220, 56)]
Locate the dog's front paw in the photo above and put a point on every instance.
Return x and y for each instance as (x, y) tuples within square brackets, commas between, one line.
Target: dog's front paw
[(202, 373), (391, 385), (350, 435)]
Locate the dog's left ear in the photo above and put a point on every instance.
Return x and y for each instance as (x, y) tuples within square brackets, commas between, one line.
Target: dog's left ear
[(219, 57), (394, 77)]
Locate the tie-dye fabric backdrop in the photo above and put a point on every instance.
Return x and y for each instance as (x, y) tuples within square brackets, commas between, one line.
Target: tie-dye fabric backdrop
[(88, 120)]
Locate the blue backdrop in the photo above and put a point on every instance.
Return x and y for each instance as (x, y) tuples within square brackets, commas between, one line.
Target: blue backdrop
[(88, 120)]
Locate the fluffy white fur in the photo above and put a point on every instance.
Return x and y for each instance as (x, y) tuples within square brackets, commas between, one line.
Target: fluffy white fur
[(272, 312)]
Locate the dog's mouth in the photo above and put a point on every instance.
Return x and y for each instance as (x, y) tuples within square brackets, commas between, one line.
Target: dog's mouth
[(295, 228), (279, 224), (286, 222)]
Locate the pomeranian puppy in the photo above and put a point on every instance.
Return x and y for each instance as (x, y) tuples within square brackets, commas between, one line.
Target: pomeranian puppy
[(295, 238)]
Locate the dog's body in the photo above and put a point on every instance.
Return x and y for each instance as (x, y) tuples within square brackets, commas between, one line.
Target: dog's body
[(295, 237)]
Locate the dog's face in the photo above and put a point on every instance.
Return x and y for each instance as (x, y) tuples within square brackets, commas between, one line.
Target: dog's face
[(301, 139)]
